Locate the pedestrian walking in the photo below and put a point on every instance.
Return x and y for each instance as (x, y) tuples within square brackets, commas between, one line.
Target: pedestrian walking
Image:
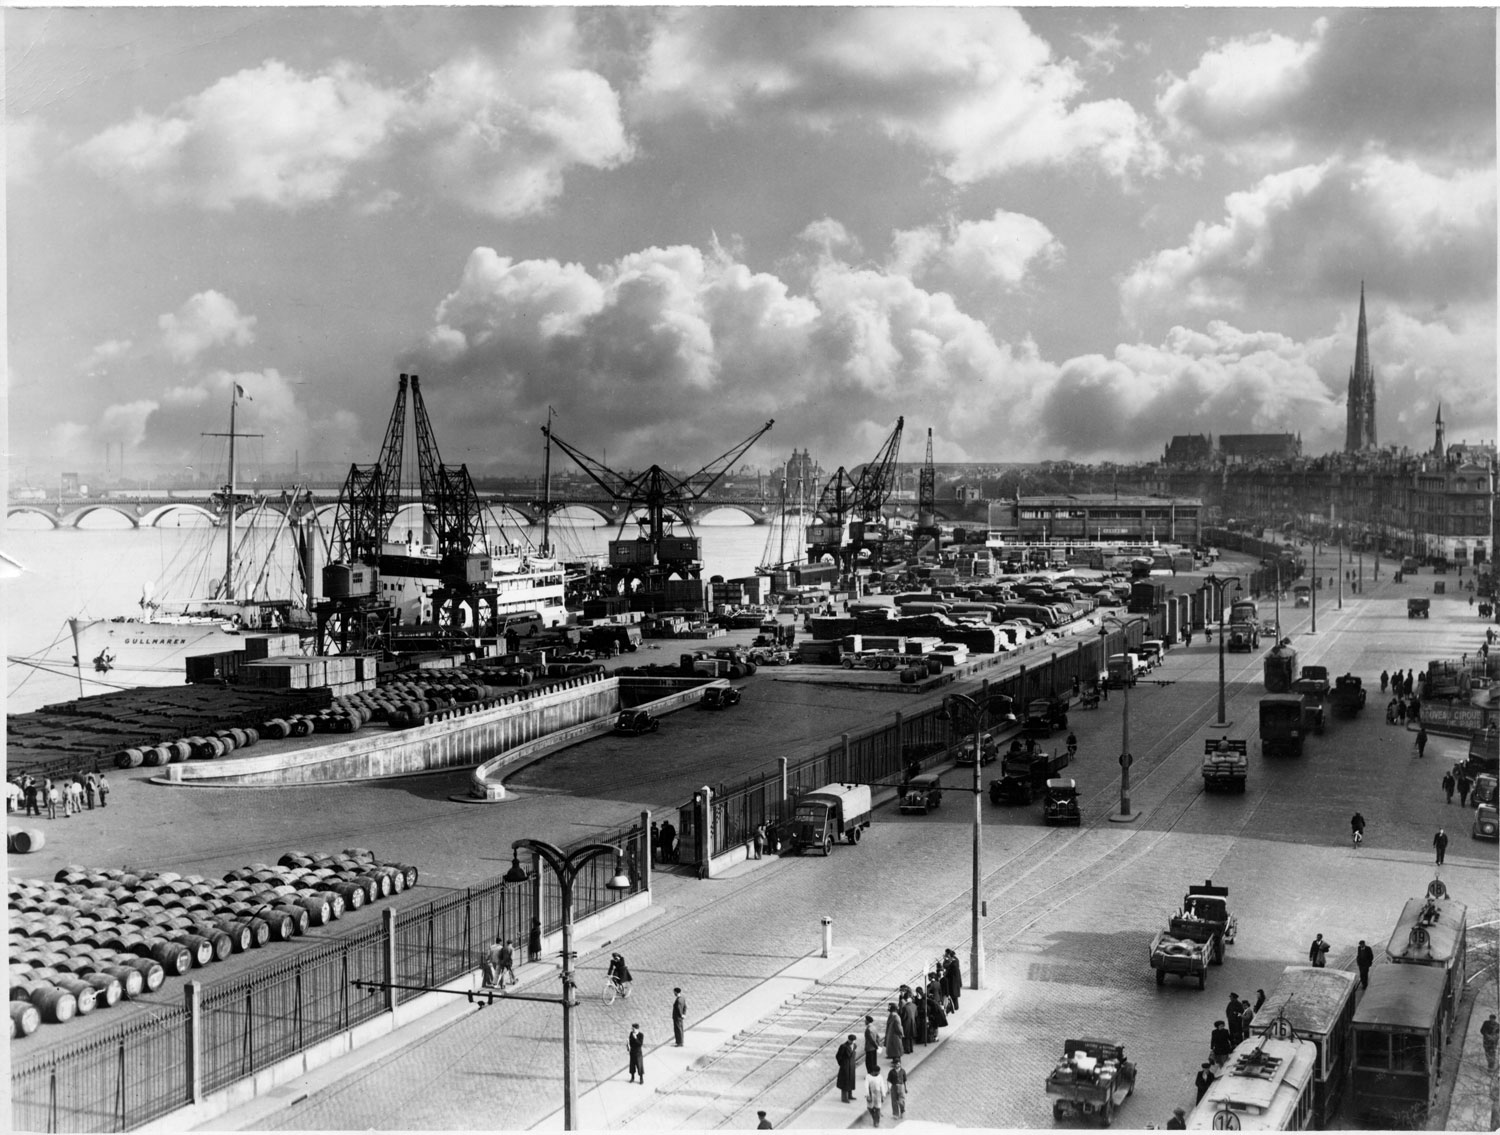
[(1178, 1122), (492, 962), (54, 798), (1204, 1079), (679, 1016), (1407, 683), (656, 841), (507, 963), (1401, 712), (90, 787), (1318, 951), (875, 1094), (1390, 711), (1489, 1036), (33, 795), (636, 1045), (103, 791), (1385, 680), (1356, 830), (1440, 844), (1187, 638), (764, 1124), (895, 1034), (953, 978), (846, 1077), (872, 1046), (1234, 1019), (1421, 741), (919, 1008), (1448, 785), (1218, 1043), (1364, 958), (896, 1082), (1465, 785), (760, 839)]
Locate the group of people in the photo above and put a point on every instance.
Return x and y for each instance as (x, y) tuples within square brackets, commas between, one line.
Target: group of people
[(1460, 781), (663, 842), (914, 1018), (1228, 1032), (69, 795)]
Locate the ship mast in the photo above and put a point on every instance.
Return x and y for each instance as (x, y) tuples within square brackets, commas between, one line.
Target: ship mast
[(229, 495), (547, 489)]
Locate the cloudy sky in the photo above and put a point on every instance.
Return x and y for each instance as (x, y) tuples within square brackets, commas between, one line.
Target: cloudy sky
[(1044, 233)]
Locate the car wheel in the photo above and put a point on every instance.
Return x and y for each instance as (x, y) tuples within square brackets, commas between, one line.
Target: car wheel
[(827, 847), (1202, 981)]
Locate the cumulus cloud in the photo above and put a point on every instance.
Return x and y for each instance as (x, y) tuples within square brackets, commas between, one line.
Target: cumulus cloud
[(267, 134), (126, 421), (1427, 86), (975, 87), (208, 319), (1318, 228), (995, 253), (101, 356), (494, 128)]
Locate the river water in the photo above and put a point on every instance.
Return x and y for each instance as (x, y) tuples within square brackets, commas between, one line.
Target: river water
[(102, 568)]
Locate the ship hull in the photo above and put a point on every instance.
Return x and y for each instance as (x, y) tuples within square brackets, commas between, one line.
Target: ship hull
[(147, 652)]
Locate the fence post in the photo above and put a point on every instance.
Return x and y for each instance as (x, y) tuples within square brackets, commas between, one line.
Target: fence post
[(645, 860), (843, 756), (192, 1001), (388, 919), (900, 742), (782, 762)]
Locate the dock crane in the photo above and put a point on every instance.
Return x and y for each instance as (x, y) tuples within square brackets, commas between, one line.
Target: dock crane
[(849, 509), (354, 617), (927, 525), (646, 564)]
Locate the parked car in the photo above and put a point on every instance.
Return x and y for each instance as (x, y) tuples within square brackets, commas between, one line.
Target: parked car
[(922, 793), (635, 721), (719, 697), (1060, 806)]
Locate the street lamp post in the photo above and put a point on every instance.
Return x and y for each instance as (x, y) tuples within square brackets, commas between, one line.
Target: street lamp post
[(1340, 537), (1219, 585), (1126, 760), (978, 710), (567, 867), (1314, 593)]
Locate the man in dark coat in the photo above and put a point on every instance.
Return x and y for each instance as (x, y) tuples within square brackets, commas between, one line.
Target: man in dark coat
[(1203, 1080), (872, 1046), (908, 1021), (919, 1008), (1440, 844), (1364, 958), (636, 1044), (679, 1016), (1219, 1043), (895, 1033), (1465, 786), (847, 1075), (1234, 1019), (953, 977)]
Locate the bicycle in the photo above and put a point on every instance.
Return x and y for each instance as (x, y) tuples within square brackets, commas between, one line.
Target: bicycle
[(614, 987)]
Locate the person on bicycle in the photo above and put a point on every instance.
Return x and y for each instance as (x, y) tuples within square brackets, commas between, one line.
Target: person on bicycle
[(1072, 746), (619, 972), (1357, 828)]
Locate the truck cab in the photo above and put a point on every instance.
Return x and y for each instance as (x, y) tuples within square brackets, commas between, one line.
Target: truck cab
[(1120, 670), (1281, 725)]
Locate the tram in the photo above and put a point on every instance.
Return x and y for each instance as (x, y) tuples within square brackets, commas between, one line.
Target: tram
[(1398, 1046), (1266, 1085), (1319, 1004), (1433, 931)]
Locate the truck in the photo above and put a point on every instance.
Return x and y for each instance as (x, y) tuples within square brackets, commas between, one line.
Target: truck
[(1282, 730), (1409, 565), (1348, 695), (871, 660), (1183, 957), (1205, 917), (1093, 1078), (1484, 753), (1419, 608), (830, 813), (1244, 611), (1146, 596), (1242, 636), (1120, 670), (1226, 764), (1024, 772), (1043, 715), (1280, 668), (1314, 694)]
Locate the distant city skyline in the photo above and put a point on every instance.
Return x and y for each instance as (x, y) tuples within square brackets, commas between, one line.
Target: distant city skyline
[(1045, 233)]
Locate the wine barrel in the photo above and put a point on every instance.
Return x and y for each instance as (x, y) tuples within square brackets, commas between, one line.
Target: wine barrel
[(28, 840), (24, 1019), (131, 980), (153, 973), (409, 872), (252, 736), (353, 894), (276, 730), (174, 957), (56, 1006), (152, 757), (107, 989), (129, 758), (83, 993), (319, 910)]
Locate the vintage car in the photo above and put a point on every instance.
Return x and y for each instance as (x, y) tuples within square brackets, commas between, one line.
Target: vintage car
[(1303, 595), (1486, 824), (1043, 715), (989, 752), (1060, 805), (719, 697), (1419, 608), (1093, 1078), (922, 793), (634, 721)]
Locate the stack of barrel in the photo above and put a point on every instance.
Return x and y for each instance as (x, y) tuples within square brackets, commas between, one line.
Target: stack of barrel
[(91, 936)]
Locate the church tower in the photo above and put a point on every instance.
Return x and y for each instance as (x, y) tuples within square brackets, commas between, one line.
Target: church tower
[(1359, 429), (1439, 446)]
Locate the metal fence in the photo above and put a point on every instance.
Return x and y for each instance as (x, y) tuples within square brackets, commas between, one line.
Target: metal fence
[(138, 1072), (882, 753)]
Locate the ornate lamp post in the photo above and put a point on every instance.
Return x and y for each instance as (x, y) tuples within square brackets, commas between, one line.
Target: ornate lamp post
[(978, 711), (567, 868), (1219, 585), (1126, 759), (1314, 600)]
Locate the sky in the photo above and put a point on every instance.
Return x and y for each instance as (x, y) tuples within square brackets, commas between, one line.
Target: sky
[(1043, 233)]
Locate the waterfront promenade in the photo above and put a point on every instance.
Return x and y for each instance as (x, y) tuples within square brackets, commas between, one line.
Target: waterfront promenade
[(1069, 911)]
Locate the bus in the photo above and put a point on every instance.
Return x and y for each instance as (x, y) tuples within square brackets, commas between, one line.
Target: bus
[(1266, 1085), (1319, 1004), (1433, 931), (1398, 1046)]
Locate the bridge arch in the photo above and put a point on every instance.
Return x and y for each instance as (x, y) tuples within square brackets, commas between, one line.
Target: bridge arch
[(74, 518), (756, 515), (36, 510), (154, 517)]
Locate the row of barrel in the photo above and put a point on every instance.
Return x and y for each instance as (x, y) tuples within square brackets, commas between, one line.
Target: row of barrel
[(95, 936)]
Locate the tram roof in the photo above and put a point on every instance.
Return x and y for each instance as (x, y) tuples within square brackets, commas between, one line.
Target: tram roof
[(1309, 997), (1403, 997), (1254, 1089), (1442, 923)]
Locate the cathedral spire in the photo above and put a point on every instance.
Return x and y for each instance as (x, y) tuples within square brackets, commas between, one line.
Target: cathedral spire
[(1359, 430), (1438, 446)]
